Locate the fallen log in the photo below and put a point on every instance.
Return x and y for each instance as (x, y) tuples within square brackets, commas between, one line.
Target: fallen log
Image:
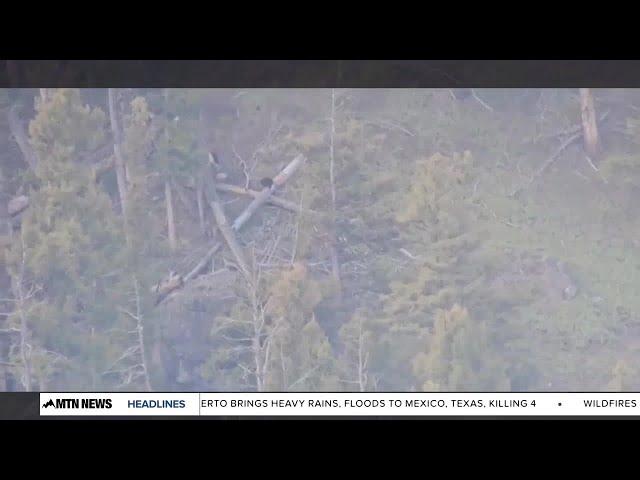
[(228, 232), (202, 264), (175, 282), (230, 238), (278, 181), (278, 202)]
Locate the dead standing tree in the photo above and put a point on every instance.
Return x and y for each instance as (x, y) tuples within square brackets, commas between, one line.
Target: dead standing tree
[(22, 351), (251, 337), (357, 355), (335, 263), (121, 174), (132, 364), (575, 133), (589, 124)]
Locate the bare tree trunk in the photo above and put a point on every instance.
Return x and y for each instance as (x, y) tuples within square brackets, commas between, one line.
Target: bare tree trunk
[(335, 264), (3, 378), (258, 323), (332, 119), (25, 348), (224, 228), (139, 328), (121, 173), (171, 223), (137, 355), (200, 201), (230, 238), (263, 333), (589, 124), (362, 360)]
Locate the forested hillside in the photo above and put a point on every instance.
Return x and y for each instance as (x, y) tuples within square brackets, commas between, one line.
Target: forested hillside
[(319, 240)]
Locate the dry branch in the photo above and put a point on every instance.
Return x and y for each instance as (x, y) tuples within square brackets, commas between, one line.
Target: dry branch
[(549, 161), (571, 130)]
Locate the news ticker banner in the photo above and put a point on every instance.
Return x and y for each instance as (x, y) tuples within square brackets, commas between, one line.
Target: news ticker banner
[(339, 404)]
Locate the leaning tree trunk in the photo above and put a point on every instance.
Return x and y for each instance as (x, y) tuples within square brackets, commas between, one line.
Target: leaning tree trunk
[(589, 124)]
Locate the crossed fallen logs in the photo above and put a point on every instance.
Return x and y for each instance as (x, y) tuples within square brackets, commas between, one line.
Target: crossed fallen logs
[(175, 281)]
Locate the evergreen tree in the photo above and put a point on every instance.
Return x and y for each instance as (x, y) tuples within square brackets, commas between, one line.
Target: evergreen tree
[(460, 356), (72, 243)]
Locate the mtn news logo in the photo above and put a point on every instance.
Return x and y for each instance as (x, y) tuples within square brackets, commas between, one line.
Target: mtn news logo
[(88, 403)]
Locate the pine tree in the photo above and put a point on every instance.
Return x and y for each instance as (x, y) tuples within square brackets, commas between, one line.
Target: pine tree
[(273, 338), (133, 367), (460, 356), (72, 243)]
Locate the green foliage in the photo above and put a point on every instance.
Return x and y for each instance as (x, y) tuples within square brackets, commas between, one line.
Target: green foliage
[(433, 248), (178, 148), (435, 215), (145, 216), (65, 128), (460, 356), (71, 241), (302, 357), (295, 353)]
